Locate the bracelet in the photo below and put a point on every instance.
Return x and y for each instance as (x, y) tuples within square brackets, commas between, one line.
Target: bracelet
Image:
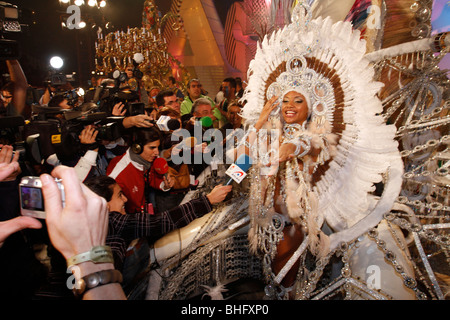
[(96, 279), (98, 254), (300, 143)]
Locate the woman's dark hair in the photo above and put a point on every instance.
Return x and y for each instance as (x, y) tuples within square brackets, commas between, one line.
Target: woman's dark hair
[(143, 136), (102, 186)]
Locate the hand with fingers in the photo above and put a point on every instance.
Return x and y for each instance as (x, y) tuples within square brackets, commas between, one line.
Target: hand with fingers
[(9, 170), (9, 163), (9, 227), (119, 110), (139, 121), (218, 194), (169, 181), (88, 135), (270, 105)]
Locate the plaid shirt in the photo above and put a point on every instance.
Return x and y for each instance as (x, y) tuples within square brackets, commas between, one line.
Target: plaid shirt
[(123, 229)]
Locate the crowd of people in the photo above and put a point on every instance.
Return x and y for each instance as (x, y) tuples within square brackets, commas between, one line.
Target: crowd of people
[(128, 191)]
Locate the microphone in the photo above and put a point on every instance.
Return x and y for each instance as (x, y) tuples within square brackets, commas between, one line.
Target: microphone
[(206, 121), (238, 170), (161, 166), (166, 123), (173, 124)]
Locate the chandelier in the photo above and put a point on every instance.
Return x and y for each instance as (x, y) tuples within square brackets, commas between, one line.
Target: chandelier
[(115, 50)]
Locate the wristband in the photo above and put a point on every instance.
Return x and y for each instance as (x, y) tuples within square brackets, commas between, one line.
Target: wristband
[(96, 279), (98, 254)]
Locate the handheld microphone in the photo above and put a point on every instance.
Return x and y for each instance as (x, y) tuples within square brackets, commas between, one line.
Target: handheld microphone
[(166, 123), (161, 166), (206, 121), (238, 170)]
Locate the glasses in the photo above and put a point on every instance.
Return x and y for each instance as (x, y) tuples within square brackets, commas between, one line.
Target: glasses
[(6, 97), (170, 103)]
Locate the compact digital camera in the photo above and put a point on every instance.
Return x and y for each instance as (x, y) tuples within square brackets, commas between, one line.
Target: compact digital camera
[(31, 198)]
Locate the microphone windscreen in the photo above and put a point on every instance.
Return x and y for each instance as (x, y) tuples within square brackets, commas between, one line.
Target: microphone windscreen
[(206, 122), (160, 165), (173, 124)]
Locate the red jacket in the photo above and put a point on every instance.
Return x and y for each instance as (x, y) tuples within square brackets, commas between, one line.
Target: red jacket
[(129, 175)]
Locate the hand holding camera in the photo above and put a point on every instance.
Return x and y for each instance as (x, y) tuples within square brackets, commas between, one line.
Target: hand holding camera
[(80, 224)]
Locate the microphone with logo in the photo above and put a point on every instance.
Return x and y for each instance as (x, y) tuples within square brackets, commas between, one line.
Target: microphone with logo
[(165, 123), (238, 170), (161, 167)]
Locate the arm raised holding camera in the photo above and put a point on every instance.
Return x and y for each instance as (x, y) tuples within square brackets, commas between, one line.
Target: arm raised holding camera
[(78, 227)]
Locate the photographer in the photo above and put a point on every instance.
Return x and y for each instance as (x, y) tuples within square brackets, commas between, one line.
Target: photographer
[(98, 153)]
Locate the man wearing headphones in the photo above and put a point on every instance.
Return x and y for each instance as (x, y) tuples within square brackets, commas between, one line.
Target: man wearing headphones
[(131, 170)]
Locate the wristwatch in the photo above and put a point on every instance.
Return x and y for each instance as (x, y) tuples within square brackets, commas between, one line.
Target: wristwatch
[(96, 279)]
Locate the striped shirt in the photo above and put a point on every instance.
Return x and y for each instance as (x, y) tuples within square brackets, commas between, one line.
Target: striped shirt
[(123, 229)]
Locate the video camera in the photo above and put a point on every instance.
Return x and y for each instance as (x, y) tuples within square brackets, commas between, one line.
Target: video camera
[(58, 79), (9, 23), (56, 131)]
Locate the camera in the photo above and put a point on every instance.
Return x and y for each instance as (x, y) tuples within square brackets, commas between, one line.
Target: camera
[(135, 108), (109, 132), (9, 23), (31, 198)]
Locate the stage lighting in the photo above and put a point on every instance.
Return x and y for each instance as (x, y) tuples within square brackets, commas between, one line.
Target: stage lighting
[(56, 62)]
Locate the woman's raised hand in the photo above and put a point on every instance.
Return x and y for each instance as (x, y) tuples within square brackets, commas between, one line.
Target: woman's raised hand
[(271, 104)]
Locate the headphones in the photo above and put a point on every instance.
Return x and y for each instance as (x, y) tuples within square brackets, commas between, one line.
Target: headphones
[(140, 138), (136, 146)]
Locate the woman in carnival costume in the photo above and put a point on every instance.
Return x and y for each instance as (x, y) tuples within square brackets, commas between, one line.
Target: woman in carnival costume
[(319, 148)]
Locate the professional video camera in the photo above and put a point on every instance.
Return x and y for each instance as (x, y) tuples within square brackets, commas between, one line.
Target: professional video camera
[(57, 131), (120, 92), (57, 80), (9, 23)]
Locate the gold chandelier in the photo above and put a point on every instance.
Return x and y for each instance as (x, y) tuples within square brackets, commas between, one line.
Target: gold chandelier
[(115, 50)]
